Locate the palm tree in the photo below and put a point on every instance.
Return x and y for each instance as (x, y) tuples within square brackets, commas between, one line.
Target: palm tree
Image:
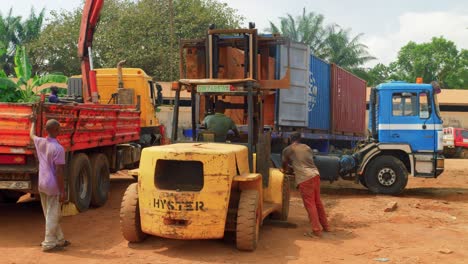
[(14, 32), (344, 50), (307, 28), (30, 29)]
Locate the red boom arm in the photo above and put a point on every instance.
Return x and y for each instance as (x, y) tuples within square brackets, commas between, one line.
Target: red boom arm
[(91, 13)]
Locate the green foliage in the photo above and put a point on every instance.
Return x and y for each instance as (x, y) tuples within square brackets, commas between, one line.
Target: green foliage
[(331, 43), (307, 28), (437, 60), (17, 32), (61, 91), (137, 31), (23, 66), (24, 91)]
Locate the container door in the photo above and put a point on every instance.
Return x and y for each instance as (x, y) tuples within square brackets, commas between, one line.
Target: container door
[(293, 105)]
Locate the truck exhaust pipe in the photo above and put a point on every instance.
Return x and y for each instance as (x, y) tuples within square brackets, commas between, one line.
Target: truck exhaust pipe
[(119, 73)]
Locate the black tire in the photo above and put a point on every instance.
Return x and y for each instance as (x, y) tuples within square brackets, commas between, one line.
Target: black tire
[(362, 181), (80, 182), (100, 180), (286, 195), (386, 175), (248, 221), (8, 196), (130, 224)]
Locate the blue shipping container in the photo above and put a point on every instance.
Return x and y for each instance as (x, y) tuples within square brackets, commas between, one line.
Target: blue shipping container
[(318, 95)]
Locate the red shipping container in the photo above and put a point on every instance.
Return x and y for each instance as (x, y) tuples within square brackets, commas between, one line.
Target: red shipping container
[(348, 102)]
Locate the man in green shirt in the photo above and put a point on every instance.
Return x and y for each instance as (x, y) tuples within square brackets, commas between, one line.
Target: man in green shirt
[(219, 123)]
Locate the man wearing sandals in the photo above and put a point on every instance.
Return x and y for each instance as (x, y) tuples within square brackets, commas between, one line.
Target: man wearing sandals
[(299, 157), (51, 156)]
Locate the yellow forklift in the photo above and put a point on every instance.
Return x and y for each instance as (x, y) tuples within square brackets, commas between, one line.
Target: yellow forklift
[(205, 190)]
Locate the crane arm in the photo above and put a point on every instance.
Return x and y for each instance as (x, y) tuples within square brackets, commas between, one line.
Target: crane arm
[(89, 20)]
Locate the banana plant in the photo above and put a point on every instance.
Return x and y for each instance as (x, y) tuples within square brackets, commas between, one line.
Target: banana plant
[(25, 89)]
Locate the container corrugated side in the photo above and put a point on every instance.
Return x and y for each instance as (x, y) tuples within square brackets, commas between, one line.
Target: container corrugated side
[(318, 97), (292, 102), (348, 102)]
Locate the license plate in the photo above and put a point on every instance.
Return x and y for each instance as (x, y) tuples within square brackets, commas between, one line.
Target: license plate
[(15, 185), (221, 88)]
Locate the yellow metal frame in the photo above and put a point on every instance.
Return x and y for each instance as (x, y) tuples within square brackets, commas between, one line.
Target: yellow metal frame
[(203, 214)]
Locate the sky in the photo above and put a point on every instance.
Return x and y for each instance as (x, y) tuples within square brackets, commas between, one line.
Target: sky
[(386, 25)]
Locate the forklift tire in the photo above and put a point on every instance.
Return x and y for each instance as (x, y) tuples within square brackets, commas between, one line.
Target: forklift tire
[(386, 175), (248, 221), (286, 194), (80, 182), (130, 215), (100, 181)]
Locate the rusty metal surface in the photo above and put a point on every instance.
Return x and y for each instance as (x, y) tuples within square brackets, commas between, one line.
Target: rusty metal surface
[(348, 102)]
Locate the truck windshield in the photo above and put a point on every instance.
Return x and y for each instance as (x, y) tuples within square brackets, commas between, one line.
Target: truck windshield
[(436, 105)]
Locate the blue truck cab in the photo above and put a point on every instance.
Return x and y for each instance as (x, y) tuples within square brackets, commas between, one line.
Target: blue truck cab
[(406, 137)]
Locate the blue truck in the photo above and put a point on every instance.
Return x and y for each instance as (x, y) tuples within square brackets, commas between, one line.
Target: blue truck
[(406, 139)]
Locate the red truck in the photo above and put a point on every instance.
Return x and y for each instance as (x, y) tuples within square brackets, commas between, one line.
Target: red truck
[(98, 138), (455, 142)]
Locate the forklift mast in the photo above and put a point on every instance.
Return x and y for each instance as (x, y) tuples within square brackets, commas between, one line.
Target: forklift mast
[(252, 83)]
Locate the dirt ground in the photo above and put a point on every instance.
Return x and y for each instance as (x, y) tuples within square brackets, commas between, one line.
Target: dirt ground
[(430, 225)]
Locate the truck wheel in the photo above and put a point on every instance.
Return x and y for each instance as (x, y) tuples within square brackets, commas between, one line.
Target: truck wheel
[(100, 181), (248, 221), (130, 215), (386, 175), (362, 181), (286, 193), (80, 182)]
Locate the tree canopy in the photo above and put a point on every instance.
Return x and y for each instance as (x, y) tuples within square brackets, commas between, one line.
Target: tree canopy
[(437, 60), (16, 31), (329, 42), (140, 32)]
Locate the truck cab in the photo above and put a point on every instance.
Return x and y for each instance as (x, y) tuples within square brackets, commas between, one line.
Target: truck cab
[(455, 142), (408, 113), (406, 137)]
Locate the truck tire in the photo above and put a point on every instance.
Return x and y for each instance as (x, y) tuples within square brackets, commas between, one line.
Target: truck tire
[(386, 175), (286, 194), (248, 221), (130, 215), (100, 180), (362, 181), (80, 181)]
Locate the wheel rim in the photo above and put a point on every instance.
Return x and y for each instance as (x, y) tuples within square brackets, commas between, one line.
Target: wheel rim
[(387, 176), (83, 179)]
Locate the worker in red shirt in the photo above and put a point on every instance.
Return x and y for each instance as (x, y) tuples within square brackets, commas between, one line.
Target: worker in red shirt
[(300, 158)]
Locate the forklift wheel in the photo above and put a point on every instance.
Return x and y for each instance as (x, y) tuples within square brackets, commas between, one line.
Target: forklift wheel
[(286, 193), (130, 215), (248, 221)]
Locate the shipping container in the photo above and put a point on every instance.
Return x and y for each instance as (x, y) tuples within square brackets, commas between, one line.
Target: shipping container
[(318, 98), (292, 103), (348, 103)]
